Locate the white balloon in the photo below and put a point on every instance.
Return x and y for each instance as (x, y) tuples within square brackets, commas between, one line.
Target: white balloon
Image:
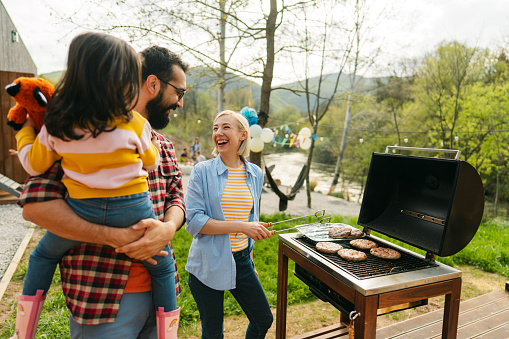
[(255, 131), (256, 145), (305, 143), (305, 133), (267, 135)]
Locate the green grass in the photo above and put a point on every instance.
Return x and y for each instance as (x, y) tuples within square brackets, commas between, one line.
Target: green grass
[(487, 251)]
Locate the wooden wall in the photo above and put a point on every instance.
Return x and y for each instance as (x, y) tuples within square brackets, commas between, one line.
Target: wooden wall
[(9, 165)]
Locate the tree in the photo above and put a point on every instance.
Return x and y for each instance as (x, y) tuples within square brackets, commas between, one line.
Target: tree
[(443, 79), (327, 51), (357, 62)]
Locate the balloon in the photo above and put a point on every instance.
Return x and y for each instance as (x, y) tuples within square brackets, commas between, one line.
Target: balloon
[(305, 133), (256, 145), (255, 131), (305, 143), (266, 135)]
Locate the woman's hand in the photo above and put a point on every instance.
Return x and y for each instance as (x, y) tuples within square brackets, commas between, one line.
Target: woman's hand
[(256, 230)]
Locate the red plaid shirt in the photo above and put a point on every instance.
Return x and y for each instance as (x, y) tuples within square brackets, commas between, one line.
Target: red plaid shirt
[(94, 276)]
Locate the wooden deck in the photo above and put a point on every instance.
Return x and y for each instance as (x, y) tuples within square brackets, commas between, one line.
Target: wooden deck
[(486, 316)]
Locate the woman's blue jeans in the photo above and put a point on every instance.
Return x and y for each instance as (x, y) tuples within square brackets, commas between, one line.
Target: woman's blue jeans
[(248, 293), (116, 212)]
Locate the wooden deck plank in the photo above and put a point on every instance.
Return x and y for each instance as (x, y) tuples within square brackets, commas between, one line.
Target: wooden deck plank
[(500, 332), (475, 319), (333, 331), (484, 325), (432, 317), (483, 310)]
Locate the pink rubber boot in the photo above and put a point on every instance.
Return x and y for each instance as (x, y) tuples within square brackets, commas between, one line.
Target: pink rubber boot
[(28, 313), (167, 323)]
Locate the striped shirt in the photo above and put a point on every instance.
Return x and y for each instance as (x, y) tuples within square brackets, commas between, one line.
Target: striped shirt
[(113, 164), (237, 203)]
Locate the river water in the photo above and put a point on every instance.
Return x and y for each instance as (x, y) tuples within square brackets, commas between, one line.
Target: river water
[(288, 166)]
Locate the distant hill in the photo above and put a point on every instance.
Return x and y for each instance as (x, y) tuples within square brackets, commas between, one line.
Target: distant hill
[(326, 89), (202, 79), (52, 77)]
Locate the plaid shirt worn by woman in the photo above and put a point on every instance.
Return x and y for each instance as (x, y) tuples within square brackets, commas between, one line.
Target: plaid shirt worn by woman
[(94, 276)]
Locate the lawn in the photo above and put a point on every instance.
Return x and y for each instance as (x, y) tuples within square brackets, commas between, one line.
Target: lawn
[(488, 251)]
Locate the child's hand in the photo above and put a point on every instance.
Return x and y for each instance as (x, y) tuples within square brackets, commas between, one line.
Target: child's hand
[(29, 122), (156, 143)]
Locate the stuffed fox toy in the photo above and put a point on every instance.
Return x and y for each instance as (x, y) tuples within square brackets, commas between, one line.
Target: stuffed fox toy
[(32, 96)]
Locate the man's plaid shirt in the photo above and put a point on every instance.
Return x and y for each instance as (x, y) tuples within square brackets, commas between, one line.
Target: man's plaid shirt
[(94, 276)]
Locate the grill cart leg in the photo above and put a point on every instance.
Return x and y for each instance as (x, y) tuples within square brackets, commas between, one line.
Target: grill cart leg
[(451, 311), (282, 296)]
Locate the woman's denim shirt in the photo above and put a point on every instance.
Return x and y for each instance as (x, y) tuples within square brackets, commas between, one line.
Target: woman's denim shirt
[(210, 256)]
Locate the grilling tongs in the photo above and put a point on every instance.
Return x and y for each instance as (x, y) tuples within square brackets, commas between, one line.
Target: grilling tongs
[(320, 213)]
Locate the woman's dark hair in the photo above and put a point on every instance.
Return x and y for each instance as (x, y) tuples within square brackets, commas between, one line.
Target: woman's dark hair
[(101, 84)]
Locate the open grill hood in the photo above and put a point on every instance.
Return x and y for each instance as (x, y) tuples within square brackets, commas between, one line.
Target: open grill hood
[(430, 203)]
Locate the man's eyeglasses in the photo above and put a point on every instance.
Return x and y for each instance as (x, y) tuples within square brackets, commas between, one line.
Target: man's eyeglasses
[(180, 91)]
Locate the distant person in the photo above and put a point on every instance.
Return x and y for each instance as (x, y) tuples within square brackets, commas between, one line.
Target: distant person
[(183, 155), (198, 157), (223, 197), (195, 147)]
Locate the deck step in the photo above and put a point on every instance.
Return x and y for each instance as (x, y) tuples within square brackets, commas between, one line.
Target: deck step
[(10, 186)]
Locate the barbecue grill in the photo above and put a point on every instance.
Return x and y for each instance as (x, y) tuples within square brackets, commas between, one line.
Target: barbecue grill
[(431, 203)]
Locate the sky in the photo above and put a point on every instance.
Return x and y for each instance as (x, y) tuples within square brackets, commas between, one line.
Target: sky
[(417, 28)]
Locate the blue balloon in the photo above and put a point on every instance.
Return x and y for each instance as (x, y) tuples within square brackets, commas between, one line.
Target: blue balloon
[(250, 114)]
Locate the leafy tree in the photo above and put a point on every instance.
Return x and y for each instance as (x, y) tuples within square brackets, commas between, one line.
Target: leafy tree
[(443, 78)]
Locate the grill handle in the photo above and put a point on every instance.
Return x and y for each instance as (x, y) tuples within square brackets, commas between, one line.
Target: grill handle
[(440, 150)]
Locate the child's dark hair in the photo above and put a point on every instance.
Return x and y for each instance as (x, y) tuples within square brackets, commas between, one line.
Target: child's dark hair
[(101, 84)]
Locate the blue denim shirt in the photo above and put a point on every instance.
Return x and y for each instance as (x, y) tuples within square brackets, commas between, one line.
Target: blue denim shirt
[(210, 256)]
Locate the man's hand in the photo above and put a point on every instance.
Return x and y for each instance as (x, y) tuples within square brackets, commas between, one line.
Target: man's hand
[(156, 236)]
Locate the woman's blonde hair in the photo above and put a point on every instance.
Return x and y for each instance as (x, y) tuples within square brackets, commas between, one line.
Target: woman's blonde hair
[(242, 125)]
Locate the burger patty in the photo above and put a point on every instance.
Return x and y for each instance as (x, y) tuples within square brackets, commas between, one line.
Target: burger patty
[(385, 253), (328, 247), (339, 232), (352, 255), (355, 233), (363, 244)]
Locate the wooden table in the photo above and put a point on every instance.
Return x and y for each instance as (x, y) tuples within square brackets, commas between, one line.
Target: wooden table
[(367, 306)]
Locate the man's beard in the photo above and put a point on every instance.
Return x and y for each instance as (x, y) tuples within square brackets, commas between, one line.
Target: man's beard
[(156, 110)]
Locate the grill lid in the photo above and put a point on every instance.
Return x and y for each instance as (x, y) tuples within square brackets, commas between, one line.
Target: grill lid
[(430, 203)]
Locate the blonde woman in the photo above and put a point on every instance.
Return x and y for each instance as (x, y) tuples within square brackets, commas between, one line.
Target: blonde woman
[(222, 203)]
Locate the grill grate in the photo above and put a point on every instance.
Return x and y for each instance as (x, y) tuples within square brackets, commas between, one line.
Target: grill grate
[(371, 267)]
